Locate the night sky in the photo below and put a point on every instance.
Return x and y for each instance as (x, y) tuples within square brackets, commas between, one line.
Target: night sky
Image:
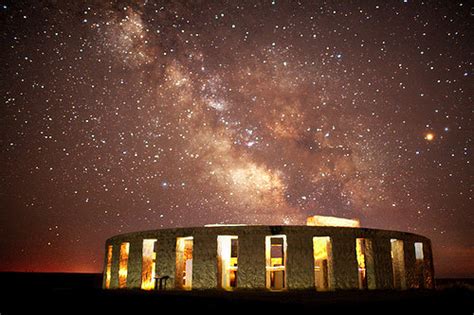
[(136, 115)]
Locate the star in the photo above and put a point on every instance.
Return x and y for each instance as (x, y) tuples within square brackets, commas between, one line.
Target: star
[(429, 136), (144, 115)]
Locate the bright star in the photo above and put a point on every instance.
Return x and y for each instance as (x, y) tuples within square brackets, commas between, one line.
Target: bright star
[(429, 136)]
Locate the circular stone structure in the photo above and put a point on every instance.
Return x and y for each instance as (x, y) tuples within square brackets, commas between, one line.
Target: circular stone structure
[(276, 258)]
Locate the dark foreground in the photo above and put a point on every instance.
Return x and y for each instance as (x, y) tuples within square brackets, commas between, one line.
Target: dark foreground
[(24, 293)]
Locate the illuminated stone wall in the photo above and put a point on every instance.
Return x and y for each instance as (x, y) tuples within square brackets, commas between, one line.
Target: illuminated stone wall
[(412, 277), (251, 274), (114, 279), (383, 263), (204, 261), (134, 272), (345, 263), (166, 257), (300, 261), (251, 256), (105, 267)]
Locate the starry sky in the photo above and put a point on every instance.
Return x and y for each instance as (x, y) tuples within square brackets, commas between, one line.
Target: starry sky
[(132, 115)]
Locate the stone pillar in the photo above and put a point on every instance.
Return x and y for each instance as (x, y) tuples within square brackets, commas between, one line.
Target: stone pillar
[(165, 249), (205, 262), (344, 262), (300, 265), (104, 270), (383, 263), (370, 264), (428, 271), (331, 277), (134, 267), (251, 261), (410, 264), (114, 274)]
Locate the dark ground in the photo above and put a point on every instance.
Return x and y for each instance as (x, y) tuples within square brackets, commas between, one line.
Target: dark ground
[(50, 293)]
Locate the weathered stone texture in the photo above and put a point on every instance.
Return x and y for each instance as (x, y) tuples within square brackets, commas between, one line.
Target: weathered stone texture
[(134, 267), (344, 262), (370, 264), (382, 263), (251, 256), (300, 262), (104, 269), (114, 279), (410, 264), (204, 261), (251, 274), (429, 268), (166, 259)]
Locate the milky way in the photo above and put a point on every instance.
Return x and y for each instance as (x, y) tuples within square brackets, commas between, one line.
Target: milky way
[(138, 115)]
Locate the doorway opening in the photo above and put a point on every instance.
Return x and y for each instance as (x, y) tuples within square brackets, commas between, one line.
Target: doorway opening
[(184, 263), (123, 264), (365, 263), (148, 264), (398, 264), (323, 270), (275, 256), (227, 261)]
